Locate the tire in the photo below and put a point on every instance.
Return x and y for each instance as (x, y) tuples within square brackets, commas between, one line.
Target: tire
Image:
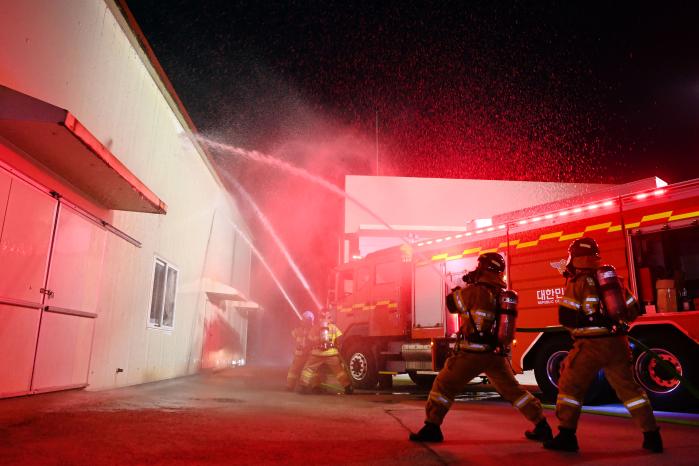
[(547, 367), (664, 390), (361, 364), (423, 381)]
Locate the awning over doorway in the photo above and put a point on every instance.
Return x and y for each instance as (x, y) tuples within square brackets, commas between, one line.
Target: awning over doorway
[(55, 138), (221, 291)]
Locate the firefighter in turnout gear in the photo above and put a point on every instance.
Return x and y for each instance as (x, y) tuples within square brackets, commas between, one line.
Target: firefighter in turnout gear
[(595, 309), (323, 337), (487, 315), (301, 351)]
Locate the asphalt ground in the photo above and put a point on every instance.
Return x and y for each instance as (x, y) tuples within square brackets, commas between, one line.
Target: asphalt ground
[(244, 416)]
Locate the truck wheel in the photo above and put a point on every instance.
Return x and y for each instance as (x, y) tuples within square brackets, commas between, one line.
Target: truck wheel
[(547, 370), (361, 364), (664, 390), (423, 381)]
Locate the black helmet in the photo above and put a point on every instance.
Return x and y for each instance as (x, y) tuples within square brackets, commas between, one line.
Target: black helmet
[(492, 262), (583, 247)]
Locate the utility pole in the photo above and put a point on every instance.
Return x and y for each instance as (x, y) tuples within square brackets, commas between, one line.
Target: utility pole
[(377, 142)]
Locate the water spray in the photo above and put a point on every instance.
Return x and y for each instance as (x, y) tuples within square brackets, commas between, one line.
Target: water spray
[(302, 173), (268, 268), (270, 229)]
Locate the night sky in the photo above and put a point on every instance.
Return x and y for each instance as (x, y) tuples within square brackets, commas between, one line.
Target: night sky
[(556, 91)]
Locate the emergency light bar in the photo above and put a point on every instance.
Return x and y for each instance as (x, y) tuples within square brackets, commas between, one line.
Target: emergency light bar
[(550, 215)]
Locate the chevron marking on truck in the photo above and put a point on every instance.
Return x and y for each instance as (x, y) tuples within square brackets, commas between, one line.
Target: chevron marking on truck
[(561, 237), (368, 306)]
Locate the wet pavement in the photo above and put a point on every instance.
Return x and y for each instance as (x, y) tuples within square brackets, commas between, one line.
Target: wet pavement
[(243, 416)]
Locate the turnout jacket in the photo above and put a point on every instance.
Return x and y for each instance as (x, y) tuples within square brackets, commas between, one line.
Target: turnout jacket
[(303, 344), (314, 336), (479, 320), (581, 308)]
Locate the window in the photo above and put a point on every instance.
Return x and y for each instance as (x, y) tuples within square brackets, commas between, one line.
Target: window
[(363, 277), (387, 273), (162, 304), (346, 283)]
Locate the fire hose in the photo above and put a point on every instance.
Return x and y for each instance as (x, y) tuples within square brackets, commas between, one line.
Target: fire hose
[(661, 362)]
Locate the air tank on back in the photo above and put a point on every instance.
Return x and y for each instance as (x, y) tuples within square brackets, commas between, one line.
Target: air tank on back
[(507, 318)]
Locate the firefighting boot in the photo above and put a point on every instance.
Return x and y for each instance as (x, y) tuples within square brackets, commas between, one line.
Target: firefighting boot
[(429, 433), (349, 390), (303, 390), (564, 441), (541, 433), (652, 441)]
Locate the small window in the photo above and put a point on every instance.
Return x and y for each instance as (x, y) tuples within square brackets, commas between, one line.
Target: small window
[(345, 283), (363, 276), (162, 304), (387, 273)]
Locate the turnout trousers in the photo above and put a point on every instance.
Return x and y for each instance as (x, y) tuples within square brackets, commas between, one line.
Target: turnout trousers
[(292, 377), (579, 369), (310, 376), (458, 371)]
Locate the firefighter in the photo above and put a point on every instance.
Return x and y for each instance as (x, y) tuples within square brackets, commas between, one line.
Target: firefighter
[(323, 338), (487, 312), (301, 351), (595, 309)]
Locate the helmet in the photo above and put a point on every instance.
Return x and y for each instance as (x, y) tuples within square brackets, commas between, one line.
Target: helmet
[(582, 253), (492, 262), (308, 315), (583, 247)]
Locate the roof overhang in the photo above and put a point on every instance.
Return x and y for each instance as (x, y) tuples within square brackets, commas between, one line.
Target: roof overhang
[(246, 304), (222, 292), (55, 138)]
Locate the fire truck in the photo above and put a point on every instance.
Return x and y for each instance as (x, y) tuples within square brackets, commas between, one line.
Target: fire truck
[(390, 304)]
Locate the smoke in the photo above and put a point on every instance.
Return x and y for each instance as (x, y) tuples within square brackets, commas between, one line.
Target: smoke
[(306, 218)]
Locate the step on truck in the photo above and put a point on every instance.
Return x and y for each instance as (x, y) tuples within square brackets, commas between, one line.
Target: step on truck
[(390, 304)]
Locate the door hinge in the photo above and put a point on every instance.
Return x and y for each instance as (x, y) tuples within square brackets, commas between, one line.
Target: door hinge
[(47, 292)]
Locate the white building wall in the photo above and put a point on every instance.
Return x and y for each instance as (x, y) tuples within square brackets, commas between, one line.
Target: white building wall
[(78, 55)]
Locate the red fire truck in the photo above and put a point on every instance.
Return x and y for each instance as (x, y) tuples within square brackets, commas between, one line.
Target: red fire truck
[(390, 304)]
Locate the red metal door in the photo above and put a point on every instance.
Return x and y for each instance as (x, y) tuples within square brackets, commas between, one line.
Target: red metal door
[(28, 217), (67, 324)]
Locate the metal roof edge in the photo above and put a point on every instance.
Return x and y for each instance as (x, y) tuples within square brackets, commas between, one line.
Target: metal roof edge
[(133, 32)]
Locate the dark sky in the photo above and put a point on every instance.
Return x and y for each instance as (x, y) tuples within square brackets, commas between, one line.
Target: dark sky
[(518, 83), (560, 91)]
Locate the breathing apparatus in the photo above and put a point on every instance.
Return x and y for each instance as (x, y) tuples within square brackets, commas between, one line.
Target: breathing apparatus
[(326, 340), (486, 330), (584, 253)]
